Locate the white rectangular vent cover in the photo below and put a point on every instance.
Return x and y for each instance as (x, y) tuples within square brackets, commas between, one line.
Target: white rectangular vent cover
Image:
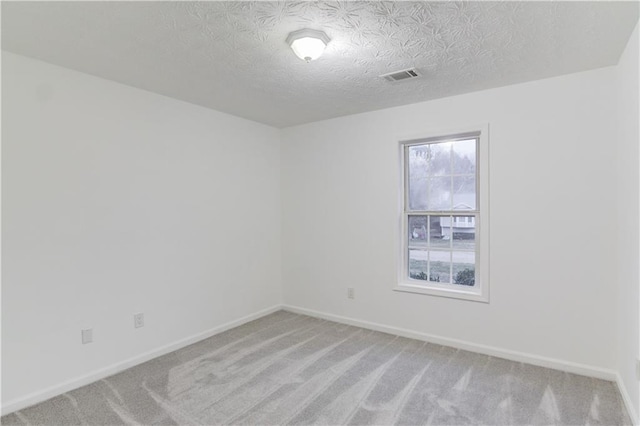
[(401, 75)]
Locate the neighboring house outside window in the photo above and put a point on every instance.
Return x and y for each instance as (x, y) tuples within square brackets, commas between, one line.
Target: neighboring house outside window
[(444, 249)]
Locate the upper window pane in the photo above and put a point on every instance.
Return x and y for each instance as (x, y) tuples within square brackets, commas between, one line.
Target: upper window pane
[(441, 176), (439, 197), (464, 157), (464, 192), (438, 158), (417, 177)]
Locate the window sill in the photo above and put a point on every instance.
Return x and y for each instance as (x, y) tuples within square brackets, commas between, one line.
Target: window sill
[(442, 292)]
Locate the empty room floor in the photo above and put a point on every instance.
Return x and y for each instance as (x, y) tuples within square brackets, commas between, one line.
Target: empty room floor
[(287, 368)]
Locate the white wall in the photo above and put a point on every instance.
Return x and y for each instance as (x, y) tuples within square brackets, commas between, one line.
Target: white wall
[(628, 215), (118, 201), (552, 201)]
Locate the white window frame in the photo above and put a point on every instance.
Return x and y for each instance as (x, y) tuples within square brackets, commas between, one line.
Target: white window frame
[(480, 291)]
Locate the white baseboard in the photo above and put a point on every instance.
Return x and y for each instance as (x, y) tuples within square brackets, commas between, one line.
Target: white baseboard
[(571, 367), (50, 392), (627, 400), (557, 364)]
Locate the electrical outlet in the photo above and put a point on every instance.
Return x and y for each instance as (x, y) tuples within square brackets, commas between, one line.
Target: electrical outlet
[(351, 293), (87, 336), (138, 320)]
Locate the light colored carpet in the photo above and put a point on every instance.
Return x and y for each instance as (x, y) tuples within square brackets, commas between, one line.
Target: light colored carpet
[(293, 369)]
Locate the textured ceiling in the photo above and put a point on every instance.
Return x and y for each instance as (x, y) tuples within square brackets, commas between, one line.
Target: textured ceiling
[(232, 57)]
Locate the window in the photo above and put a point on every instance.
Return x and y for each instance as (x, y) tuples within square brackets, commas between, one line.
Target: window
[(445, 215)]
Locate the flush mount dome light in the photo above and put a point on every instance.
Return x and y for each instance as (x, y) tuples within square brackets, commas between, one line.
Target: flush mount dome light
[(308, 44)]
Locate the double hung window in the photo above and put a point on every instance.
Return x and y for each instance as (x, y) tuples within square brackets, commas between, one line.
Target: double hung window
[(444, 243)]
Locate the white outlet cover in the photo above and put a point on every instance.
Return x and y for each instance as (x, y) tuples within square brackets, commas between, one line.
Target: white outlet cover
[(138, 320), (87, 336)]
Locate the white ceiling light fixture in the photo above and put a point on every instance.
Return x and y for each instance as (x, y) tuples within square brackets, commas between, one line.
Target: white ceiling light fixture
[(308, 44)]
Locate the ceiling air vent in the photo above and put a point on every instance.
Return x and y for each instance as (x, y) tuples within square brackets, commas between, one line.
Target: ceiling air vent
[(401, 75)]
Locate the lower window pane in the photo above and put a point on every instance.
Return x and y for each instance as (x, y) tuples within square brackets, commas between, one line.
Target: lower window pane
[(440, 266), (442, 249), (418, 265), (418, 230), (464, 263), (440, 231), (464, 233)]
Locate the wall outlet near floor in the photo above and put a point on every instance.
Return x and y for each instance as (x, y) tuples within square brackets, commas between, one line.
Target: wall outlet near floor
[(138, 320), (351, 293), (87, 336)]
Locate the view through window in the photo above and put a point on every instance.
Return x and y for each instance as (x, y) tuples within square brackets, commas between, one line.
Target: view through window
[(441, 212)]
